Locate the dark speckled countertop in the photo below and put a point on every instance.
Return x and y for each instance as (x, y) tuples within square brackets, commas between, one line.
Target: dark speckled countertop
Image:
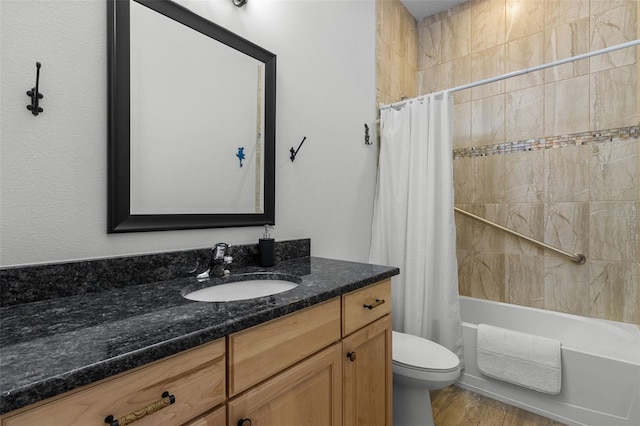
[(51, 346)]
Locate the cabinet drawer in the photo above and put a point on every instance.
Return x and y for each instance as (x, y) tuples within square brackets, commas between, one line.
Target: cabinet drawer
[(259, 352), (364, 306), (196, 378)]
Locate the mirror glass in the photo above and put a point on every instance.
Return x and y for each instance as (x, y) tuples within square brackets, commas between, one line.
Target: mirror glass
[(192, 122)]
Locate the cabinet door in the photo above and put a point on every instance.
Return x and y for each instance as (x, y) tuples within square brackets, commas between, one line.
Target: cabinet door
[(217, 417), (309, 393), (367, 375)]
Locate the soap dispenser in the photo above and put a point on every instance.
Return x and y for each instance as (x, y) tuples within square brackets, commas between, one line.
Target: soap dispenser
[(266, 249)]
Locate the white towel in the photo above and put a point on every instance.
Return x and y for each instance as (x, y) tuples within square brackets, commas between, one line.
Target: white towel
[(519, 358)]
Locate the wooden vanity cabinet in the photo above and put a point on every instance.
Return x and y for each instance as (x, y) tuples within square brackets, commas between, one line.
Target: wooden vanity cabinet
[(326, 365)]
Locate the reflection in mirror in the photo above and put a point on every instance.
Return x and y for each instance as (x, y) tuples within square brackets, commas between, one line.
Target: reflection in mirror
[(178, 98), (192, 122)]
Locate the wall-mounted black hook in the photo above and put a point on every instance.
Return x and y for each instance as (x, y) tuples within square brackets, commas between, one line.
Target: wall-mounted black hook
[(294, 152), (367, 140), (35, 94)]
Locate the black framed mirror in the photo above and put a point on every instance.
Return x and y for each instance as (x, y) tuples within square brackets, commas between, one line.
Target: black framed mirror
[(191, 122)]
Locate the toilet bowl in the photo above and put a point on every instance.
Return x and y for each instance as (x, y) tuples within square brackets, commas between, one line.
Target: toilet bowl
[(419, 365)]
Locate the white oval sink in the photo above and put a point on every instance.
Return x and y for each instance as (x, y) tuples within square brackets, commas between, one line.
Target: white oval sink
[(240, 290)]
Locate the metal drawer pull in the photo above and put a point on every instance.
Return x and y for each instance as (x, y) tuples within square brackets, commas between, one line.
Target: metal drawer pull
[(166, 401), (375, 304), (351, 356), (244, 422)]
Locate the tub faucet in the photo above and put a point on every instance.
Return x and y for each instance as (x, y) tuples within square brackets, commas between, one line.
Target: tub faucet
[(220, 260)]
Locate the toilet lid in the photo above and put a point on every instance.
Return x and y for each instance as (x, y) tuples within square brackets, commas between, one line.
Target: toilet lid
[(417, 352)]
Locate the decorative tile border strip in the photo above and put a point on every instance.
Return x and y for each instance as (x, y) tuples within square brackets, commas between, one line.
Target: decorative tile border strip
[(600, 136)]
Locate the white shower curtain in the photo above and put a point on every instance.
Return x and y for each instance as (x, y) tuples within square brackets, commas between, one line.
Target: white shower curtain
[(413, 224)]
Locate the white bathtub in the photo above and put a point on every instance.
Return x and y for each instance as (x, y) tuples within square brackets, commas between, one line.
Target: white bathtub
[(600, 364)]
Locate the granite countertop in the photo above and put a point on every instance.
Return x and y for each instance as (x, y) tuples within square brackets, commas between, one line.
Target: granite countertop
[(52, 346)]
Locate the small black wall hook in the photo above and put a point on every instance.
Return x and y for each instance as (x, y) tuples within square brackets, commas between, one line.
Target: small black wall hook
[(367, 139), (35, 94), (294, 152)]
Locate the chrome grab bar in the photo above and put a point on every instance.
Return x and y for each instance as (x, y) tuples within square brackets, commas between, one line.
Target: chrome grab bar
[(576, 257)]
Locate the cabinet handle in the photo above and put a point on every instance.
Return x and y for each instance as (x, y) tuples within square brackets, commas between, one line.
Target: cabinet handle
[(351, 355), (244, 422), (136, 415), (375, 304)]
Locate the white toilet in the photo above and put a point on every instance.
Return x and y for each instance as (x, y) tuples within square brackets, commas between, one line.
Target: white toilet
[(419, 365)]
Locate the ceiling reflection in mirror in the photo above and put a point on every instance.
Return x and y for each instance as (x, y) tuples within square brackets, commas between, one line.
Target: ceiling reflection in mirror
[(199, 136)]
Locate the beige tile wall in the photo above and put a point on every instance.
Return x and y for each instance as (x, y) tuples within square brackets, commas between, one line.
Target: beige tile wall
[(396, 52), (581, 198)]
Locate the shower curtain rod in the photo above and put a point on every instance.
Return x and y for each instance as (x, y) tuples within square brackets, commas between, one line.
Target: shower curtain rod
[(523, 71), (576, 257)]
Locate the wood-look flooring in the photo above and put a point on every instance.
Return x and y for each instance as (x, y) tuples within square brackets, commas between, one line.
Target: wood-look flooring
[(454, 406)]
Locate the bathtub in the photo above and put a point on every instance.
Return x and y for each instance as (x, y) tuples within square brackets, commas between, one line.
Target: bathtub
[(600, 364)]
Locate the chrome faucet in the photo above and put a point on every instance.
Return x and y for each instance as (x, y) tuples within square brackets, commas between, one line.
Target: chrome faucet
[(220, 261)]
